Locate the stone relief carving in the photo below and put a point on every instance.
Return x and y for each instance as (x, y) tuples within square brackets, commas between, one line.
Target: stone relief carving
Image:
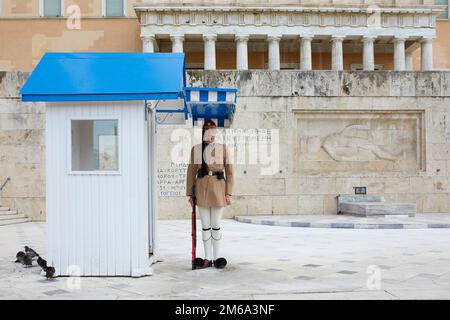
[(356, 143), (340, 141)]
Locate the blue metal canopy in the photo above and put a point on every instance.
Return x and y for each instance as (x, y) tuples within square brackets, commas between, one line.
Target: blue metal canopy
[(106, 77), (217, 104)]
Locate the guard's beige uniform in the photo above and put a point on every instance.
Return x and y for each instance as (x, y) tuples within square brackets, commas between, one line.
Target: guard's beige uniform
[(210, 192)]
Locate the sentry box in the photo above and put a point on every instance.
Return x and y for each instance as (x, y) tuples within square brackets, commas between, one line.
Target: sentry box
[(101, 111)]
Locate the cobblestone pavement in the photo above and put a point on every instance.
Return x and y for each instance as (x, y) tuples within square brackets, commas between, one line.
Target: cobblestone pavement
[(265, 262)]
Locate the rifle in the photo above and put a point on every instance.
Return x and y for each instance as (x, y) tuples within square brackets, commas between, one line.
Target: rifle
[(196, 262)]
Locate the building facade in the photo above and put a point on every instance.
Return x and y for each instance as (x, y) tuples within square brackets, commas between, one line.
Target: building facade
[(347, 34), (356, 91)]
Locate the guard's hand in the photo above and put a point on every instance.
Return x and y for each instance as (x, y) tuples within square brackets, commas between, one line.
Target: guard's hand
[(228, 199), (191, 201)]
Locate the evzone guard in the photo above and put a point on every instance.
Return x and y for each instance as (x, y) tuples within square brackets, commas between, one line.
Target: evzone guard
[(209, 186)]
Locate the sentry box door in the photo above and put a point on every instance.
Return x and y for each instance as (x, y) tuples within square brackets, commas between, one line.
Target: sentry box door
[(97, 188)]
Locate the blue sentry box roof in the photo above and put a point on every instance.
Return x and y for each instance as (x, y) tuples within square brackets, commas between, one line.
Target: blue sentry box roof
[(212, 103), (106, 77)]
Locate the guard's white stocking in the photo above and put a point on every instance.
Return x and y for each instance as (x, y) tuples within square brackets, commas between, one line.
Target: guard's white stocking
[(205, 216), (211, 217), (216, 233)]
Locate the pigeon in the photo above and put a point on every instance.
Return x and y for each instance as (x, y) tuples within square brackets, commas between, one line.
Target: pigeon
[(42, 263), (23, 258), (49, 272), (19, 256), (31, 253), (27, 261)]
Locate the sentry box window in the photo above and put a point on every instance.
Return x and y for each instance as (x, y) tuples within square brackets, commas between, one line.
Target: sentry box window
[(95, 145)]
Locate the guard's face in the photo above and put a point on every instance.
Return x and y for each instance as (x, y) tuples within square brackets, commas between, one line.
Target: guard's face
[(210, 135)]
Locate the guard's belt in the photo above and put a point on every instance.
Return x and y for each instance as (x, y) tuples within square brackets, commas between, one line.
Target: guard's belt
[(218, 174)]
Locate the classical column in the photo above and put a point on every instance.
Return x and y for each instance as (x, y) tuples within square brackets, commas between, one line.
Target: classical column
[(399, 54), (368, 53), (427, 53), (305, 53), (337, 53), (274, 52), (177, 43), (210, 51), (148, 43), (241, 51), (409, 61)]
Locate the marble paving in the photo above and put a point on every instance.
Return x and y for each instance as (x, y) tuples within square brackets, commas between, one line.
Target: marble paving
[(265, 262)]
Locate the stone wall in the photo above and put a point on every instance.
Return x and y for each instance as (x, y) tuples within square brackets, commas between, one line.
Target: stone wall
[(22, 148), (389, 131)]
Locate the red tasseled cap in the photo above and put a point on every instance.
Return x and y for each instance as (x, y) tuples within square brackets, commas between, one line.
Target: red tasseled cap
[(209, 124)]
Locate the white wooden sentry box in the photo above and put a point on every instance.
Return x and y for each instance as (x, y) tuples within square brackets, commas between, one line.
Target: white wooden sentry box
[(100, 145)]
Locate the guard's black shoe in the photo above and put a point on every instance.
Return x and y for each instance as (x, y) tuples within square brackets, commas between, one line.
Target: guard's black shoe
[(220, 263), (202, 264), (198, 263)]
